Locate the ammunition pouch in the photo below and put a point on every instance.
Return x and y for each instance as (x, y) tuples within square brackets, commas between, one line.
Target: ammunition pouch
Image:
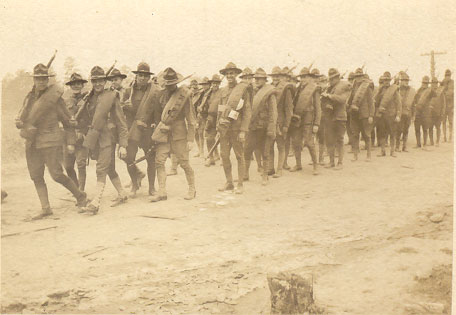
[(295, 120), (29, 132), (91, 139), (161, 133)]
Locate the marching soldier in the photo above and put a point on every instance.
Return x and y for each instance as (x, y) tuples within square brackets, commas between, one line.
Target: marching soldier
[(448, 87), (361, 112), (306, 118), (196, 95), (38, 121), (407, 94), (334, 104), (116, 78), (421, 112), (284, 95), (323, 84), (138, 99), (174, 133), (201, 118), (246, 76), (438, 110), (211, 106), (233, 122), (262, 127), (389, 108), (103, 122), (80, 154)]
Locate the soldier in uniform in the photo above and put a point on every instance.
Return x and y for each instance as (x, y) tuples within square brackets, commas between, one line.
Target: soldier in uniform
[(323, 83), (174, 133), (421, 112), (284, 95), (246, 76), (116, 78), (407, 98), (306, 118), (388, 112), (233, 121), (138, 98), (196, 95), (103, 123), (80, 155), (438, 110), (262, 127), (448, 88), (38, 121), (334, 104), (211, 106), (201, 118), (361, 112)]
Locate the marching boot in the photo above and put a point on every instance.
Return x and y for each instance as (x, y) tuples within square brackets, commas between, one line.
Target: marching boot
[(42, 192), (190, 175), (133, 172), (331, 158), (81, 197), (241, 171), (229, 178), (264, 179), (93, 207), (355, 156), (383, 153), (313, 155), (340, 151), (368, 148), (278, 174), (151, 171), (72, 175), (122, 195), (82, 178), (321, 159), (247, 170), (161, 176)]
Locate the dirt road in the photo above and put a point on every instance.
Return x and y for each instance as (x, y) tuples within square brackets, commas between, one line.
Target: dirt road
[(365, 233)]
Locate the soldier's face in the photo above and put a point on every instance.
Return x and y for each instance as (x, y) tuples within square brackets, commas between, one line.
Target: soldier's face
[(41, 83), (275, 79), (259, 82), (206, 87), (142, 78), (116, 82), (98, 85), (230, 76), (77, 87), (403, 82), (171, 87), (215, 86), (434, 85), (425, 85), (194, 87)]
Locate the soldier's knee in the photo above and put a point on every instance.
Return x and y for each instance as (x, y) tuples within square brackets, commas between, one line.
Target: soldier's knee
[(37, 179)]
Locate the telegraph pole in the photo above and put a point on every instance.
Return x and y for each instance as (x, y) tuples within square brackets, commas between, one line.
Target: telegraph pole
[(432, 54)]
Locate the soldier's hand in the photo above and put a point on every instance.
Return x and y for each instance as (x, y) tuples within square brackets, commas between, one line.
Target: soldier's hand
[(284, 131), (241, 137), (189, 145), (19, 123), (397, 119), (370, 120), (122, 153), (70, 149), (315, 129)]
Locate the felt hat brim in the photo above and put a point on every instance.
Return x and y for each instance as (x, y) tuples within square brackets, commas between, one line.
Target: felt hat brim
[(76, 81), (224, 71)]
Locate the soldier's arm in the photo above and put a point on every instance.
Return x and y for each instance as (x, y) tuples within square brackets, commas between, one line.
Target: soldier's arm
[(341, 97), (119, 120), (288, 108), (64, 117), (398, 101), (272, 111), (370, 101), (190, 119), (246, 112), (317, 107)]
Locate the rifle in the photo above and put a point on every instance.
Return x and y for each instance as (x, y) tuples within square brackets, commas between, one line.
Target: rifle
[(343, 75), (310, 67), (217, 141), (145, 157), (79, 112), (52, 59)]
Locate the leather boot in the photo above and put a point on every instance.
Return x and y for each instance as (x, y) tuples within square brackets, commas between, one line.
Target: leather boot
[(161, 176), (80, 196), (122, 195), (331, 158), (355, 156), (93, 207), (190, 175), (82, 178), (151, 171), (72, 175), (247, 170), (264, 179), (340, 151), (42, 192)]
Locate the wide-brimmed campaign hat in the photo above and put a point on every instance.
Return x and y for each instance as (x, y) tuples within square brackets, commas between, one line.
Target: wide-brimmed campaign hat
[(304, 71), (247, 72), (276, 71), (204, 81), (75, 78), (171, 77), (315, 73), (97, 72), (230, 66), (260, 74), (358, 73), (116, 73), (215, 78), (41, 71), (425, 79), (387, 76), (143, 68), (404, 77)]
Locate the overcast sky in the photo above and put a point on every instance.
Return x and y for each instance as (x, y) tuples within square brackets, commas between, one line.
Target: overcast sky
[(202, 36)]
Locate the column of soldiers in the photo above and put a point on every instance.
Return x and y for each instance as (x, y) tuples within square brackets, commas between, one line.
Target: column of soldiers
[(250, 117)]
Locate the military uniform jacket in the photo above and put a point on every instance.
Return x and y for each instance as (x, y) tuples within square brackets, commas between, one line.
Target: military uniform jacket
[(339, 95), (284, 105), (183, 126), (131, 101), (417, 109), (264, 110), (49, 133), (407, 98), (308, 101), (72, 102), (437, 103), (243, 121), (388, 101), (114, 126), (362, 99), (449, 93)]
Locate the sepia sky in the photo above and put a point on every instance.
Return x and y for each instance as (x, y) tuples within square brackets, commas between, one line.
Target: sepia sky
[(202, 36)]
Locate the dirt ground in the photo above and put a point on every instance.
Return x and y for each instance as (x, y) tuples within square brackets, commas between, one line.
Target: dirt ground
[(376, 237)]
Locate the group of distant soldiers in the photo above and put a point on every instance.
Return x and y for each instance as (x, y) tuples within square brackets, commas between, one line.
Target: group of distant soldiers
[(163, 118)]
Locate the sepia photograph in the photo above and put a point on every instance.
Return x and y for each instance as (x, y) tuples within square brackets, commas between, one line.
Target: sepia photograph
[(227, 156)]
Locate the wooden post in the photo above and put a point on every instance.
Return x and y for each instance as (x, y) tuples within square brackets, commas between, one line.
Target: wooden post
[(432, 54)]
